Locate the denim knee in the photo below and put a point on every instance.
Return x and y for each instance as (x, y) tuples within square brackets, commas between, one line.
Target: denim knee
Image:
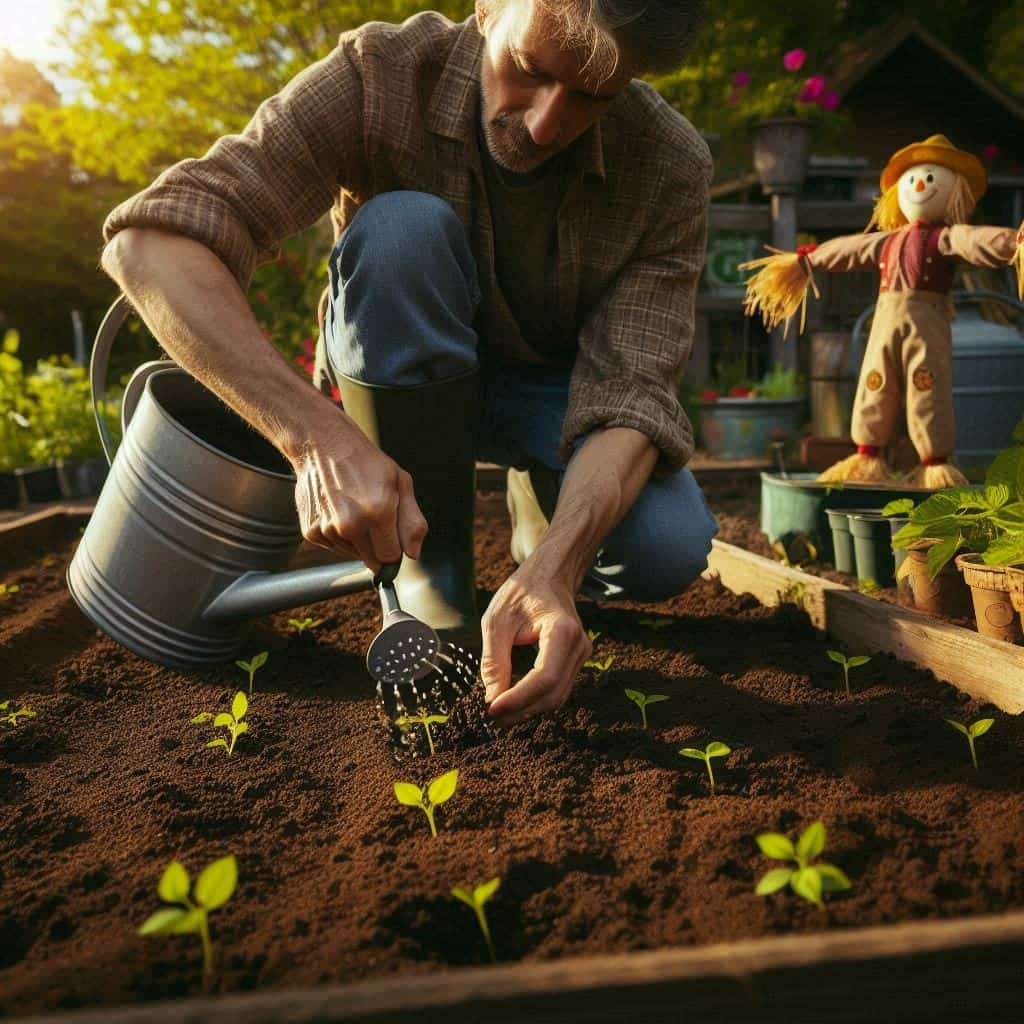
[(404, 293)]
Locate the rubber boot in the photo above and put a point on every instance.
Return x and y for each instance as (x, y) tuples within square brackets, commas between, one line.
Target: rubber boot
[(429, 430), (531, 495)]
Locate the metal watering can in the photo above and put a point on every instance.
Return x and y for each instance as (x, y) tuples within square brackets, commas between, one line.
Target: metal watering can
[(195, 524)]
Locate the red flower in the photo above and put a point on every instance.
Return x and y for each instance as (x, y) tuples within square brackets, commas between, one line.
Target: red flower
[(991, 152), (794, 60), (335, 393), (308, 347), (740, 392), (813, 88), (710, 395)]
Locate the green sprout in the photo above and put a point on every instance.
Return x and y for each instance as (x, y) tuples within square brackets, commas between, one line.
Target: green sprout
[(788, 556), (795, 594), (641, 700), (715, 749), (213, 889), (600, 666), (8, 588), (869, 587), (11, 717), (972, 732), (231, 720), (251, 667), (806, 879), (438, 792), (593, 634), (848, 663), (301, 625), (476, 899), (657, 624), (406, 722)]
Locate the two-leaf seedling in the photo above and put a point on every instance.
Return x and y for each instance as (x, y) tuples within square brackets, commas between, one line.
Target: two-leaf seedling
[(406, 722), (657, 624), (230, 720), (213, 889), (12, 717), (848, 663), (301, 625), (258, 661), (806, 879), (593, 634), (600, 667), (715, 749), (641, 700), (438, 792), (972, 732), (8, 588), (476, 899)]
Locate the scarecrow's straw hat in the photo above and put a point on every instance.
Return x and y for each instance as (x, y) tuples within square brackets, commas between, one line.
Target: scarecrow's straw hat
[(937, 150)]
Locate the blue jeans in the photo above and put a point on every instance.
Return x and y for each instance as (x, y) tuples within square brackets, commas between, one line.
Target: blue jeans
[(401, 312)]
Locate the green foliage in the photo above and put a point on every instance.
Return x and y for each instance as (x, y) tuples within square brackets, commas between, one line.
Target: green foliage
[(214, 887), (437, 792), (593, 634), (253, 666), (869, 587), (780, 383), (230, 720), (406, 722), (641, 700), (477, 899), (714, 749), (301, 625), (8, 717), (972, 732), (600, 667), (848, 663), (899, 507), (808, 880)]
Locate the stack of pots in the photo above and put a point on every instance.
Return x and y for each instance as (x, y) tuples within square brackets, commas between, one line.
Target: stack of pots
[(992, 593), (862, 540)]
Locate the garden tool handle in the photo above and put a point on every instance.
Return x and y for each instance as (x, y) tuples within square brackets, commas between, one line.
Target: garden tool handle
[(384, 584), (99, 362)]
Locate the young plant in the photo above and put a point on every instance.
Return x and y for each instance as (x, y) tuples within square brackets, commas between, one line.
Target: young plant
[(600, 667), (715, 749), (593, 634), (806, 879), (848, 663), (406, 722), (476, 899), (438, 792), (301, 625), (972, 732), (8, 588), (657, 624), (213, 889), (641, 700), (230, 720), (790, 557), (11, 717), (251, 667)]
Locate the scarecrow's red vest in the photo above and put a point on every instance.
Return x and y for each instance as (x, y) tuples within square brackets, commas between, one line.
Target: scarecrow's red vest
[(915, 251)]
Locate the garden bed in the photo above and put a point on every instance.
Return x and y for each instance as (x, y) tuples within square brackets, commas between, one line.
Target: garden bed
[(606, 839)]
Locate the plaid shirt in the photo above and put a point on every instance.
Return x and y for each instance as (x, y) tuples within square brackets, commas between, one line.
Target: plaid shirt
[(394, 108)]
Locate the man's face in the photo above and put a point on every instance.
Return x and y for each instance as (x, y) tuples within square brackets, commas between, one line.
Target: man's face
[(537, 98)]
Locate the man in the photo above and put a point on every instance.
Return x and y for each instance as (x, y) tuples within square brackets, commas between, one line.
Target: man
[(522, 227)]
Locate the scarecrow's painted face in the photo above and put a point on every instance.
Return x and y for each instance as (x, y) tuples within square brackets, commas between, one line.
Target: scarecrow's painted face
[(925, 191)]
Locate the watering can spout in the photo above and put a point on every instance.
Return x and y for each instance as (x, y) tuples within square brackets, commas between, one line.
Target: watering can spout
[(261, 593)]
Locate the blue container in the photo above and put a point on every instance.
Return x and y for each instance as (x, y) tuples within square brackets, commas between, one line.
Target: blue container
[(743, 428)]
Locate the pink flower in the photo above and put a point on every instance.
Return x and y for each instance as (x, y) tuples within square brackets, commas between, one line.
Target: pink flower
[(741, 80), (829, 101), (794, 60), (991, 152), (813, 88)]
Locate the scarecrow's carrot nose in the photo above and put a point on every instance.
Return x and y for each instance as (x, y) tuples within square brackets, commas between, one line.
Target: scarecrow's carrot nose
[(920, 186)]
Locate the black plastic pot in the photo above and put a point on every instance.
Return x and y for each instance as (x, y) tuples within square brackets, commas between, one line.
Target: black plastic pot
[(8, 490), (872, 548), (38, 483), (82, 478)]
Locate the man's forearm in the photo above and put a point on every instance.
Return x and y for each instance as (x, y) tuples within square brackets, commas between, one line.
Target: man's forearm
[(197, 311), (603, 480)]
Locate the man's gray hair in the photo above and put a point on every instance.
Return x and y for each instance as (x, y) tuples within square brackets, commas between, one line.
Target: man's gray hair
[(651, 35)]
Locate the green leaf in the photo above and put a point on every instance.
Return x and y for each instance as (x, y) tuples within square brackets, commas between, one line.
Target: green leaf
[(717, 749), (776, 879), (217, 882), (260, 660), (223, 719), (241, 728), (442, 788), (1005, 550), (940, 554), (980, 727), (776, 846), (435, 719), (656, 698), (960, 727), (482, 893), (203, 716), (6, 704), (188, 923), (899, 507), (174, 883), (997, 496), (217, 743), (807, 883), (697, 755), (408, 794), (907, 534), (832, 878), (858, 659), (163, 921), (812, 842), (463, 894), (635, 696), (244, 666), (837, 656), (239, 705)]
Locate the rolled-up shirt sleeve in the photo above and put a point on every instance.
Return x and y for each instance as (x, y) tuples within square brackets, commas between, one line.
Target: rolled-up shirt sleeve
[(635, 343), (279, 176)]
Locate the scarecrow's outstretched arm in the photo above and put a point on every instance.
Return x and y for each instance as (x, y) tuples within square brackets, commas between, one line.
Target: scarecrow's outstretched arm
[(986, 247)]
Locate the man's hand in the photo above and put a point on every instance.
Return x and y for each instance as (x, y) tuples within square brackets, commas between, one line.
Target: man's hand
[(531, 609)]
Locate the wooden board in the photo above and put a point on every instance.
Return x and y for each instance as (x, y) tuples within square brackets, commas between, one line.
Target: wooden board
[(987, 669)]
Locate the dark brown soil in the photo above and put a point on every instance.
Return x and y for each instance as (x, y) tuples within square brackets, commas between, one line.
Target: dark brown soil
[(605, 838)]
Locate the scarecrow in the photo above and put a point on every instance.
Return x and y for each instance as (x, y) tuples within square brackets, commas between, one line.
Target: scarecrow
[(929, 191)]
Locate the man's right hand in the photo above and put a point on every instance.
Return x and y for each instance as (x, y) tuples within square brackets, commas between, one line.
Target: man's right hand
[(352, 498)]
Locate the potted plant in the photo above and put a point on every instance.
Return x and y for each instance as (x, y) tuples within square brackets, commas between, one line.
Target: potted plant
[(739, 418), (15, 436)]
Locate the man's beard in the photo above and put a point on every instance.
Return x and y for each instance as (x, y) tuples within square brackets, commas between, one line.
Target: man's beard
[(510, 146)]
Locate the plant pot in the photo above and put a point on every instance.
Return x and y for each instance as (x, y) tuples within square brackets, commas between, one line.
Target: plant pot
[(991, 594), (782, 153), (38, 483), (8, 490), (1015, 577), (742, 428), (844, 558), (872, 547), (896, 523), (81, 478), (947, 594)]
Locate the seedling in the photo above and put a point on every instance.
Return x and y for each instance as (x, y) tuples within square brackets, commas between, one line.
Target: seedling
[(972, 732), (794, 594), (869, 587), (806, 879), (641, 700), (657, 624), (213, 889), (301, 625), (593, 634), (791, 560), (230, 720), (848, 663), (477, 899), (438, 792), (11, 717), (251, 667), (600, 666), (715, 749), (408, 721), (8, 588)]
